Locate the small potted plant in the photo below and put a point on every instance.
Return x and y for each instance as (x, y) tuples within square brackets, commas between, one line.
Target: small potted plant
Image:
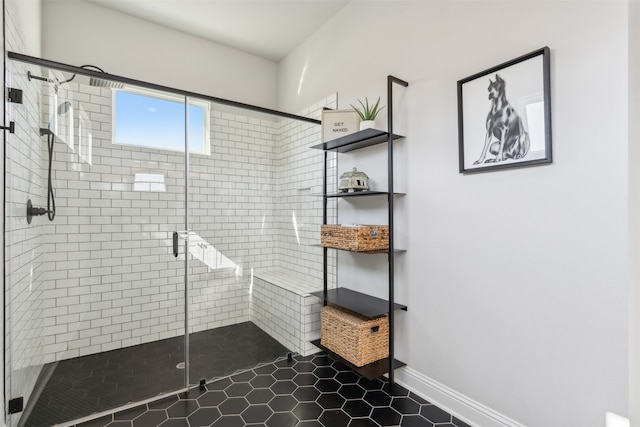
[(368, 113)]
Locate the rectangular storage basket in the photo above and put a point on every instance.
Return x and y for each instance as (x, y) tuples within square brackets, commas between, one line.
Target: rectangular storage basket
[(356, 338), (357, 238)]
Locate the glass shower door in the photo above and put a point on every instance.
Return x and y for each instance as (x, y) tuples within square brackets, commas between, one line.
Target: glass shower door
[(95, 296)]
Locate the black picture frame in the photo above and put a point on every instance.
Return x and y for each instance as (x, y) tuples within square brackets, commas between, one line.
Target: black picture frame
[(504, 115)]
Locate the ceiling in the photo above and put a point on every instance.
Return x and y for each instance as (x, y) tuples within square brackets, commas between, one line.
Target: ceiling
[(266, 28)]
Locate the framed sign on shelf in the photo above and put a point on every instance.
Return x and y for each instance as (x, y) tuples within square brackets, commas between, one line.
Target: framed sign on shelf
[(338, 123), (504, 115)]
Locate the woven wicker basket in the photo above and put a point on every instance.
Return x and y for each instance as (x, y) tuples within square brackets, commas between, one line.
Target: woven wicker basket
[(358, 238), (357, 339)]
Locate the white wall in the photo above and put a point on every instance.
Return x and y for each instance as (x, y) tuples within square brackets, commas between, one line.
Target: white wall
[(78, 32), (516, 281), (634, 212), (26, 16)]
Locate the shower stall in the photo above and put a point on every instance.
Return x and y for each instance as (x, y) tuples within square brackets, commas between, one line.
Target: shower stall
[(155, 239)]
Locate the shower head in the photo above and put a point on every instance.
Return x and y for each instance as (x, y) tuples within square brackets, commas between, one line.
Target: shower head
[(97, 82), (110, 84)]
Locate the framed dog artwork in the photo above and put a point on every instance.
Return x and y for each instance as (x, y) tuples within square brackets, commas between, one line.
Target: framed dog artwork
[(504, 115)]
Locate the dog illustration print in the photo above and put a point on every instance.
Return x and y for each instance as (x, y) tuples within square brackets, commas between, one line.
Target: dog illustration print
[(506, 137)]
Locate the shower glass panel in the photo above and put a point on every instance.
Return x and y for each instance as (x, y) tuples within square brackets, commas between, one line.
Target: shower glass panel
[(95, 314), (231, 194), (255, 214)]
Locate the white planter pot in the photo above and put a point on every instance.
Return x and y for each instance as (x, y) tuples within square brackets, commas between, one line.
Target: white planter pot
[(367, 124)]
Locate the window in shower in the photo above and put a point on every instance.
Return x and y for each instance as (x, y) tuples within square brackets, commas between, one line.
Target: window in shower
[(145, 118)]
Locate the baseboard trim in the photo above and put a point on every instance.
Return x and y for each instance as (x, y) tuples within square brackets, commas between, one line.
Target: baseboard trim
[(457, 404)]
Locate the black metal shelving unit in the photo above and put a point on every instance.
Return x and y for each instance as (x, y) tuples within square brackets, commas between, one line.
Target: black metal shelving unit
[(358, 302)]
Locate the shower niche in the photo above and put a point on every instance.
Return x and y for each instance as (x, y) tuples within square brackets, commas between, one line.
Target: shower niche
[(98, 305)]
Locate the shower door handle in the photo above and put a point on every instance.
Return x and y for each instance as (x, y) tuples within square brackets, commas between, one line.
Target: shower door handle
[(175, 244)]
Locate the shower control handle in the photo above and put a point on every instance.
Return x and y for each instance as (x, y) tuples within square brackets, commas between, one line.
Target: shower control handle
[(175, 244), (34, 211)]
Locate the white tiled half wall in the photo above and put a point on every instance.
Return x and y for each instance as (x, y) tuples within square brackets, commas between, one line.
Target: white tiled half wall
[(282, 306), (102, 275)]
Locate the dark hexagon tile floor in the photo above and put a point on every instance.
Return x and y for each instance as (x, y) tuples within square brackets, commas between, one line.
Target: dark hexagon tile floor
[(313, 391), (86, 385)]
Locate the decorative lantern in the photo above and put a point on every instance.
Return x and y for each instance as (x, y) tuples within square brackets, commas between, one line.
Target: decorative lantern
[(353, 181)]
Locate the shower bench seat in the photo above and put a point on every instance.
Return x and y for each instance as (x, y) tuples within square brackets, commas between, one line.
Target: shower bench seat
[(282, 305)]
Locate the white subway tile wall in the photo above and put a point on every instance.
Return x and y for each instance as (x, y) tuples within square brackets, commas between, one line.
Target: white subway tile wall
[(281, 304), (299, 173)]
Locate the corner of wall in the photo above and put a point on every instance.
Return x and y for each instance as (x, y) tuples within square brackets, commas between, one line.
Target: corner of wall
[(26, 17), (634, 212)]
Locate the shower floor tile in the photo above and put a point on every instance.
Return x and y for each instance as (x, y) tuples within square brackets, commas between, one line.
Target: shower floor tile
[(255, 398), (96, 383)]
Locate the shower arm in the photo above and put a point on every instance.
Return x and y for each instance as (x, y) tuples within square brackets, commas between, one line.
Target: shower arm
[(57, 83), (31, 76)]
